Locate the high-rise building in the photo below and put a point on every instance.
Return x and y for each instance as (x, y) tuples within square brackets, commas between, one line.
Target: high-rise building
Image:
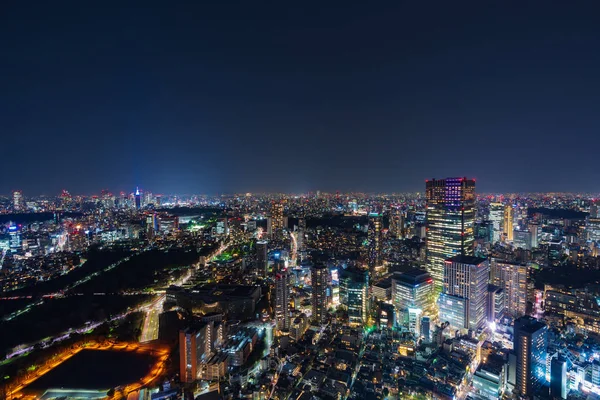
[(282, 300), (496, 303), (319, 279), (354, 294), (558, 378), (530, 347), (138, 199), (497, 218), (262, 259), (449, 222), (277, 219), (194, 346), (512, 277), (509, 216), (17, 200), (14, 235), (467, 277), (396, 223), (412, 295), (535, 234), (374, 240)]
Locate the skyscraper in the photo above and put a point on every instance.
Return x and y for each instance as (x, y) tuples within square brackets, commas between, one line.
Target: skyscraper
[(194, 346), (449, 222), (318, 276), (354, 293), (509, 215), (558, 378), (138, 199), (17, 200), (396, 222), (262, 259), (282, 294), (277, 219), (374, 240), (530, 347), (512, 277), (497, 218), (467, 277)]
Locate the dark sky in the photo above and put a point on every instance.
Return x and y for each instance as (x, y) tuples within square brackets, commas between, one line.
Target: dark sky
[(219, 96)]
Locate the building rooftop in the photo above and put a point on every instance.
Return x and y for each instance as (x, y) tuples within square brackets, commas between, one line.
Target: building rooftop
[(472, 260)]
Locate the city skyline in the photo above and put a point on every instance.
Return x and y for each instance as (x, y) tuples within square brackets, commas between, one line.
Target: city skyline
[(222, 98)]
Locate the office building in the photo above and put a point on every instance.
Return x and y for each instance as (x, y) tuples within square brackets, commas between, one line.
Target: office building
[(298, 327), (496, 303), (530, 347), (319, 279), (509, 216), (17, 200), (282, 301), (374, 240), (450, 221), (467, 277), (452, 309), (194, 347), (277, 219), (354, 294), (512, 277), (522, 239), (413, 295), (497, 219), (14, 238), (426, 329), (262, 259), (396, 223), (535, 234), (558, 378)]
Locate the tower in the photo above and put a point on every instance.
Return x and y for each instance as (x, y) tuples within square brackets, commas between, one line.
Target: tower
[(530, 347), (396, 222), (138, 199), (277, 219), (374, 240), (497, 218), (262, 259), (558, 378), (17, 200), (467, 277), (282, 294), (354, 292), (509, 215), (318, 276), (512, 277), (412, 295), (449, 223)]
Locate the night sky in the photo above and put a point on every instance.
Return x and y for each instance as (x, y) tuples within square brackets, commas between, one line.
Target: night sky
[(218, 96)]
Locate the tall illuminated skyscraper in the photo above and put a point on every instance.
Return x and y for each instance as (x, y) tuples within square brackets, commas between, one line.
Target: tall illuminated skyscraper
[(530, 347), (450, 221), (318, 276), (467, 277), (282, 301), (277, 219), (354, 294), (138, 199), (396, 222), (262, 259), (497, 218), (374, 240), (511, 277), (509, 216), (17, 200)]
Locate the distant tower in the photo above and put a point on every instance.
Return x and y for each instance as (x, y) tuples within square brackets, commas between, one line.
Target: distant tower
[(262, 257), (530, 347), (318, 275), (396, 223), (374, 240), (497, 218), (138, 199), (449, 222), (17, 200), (277, 219), (282, 294), (509, 215)]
